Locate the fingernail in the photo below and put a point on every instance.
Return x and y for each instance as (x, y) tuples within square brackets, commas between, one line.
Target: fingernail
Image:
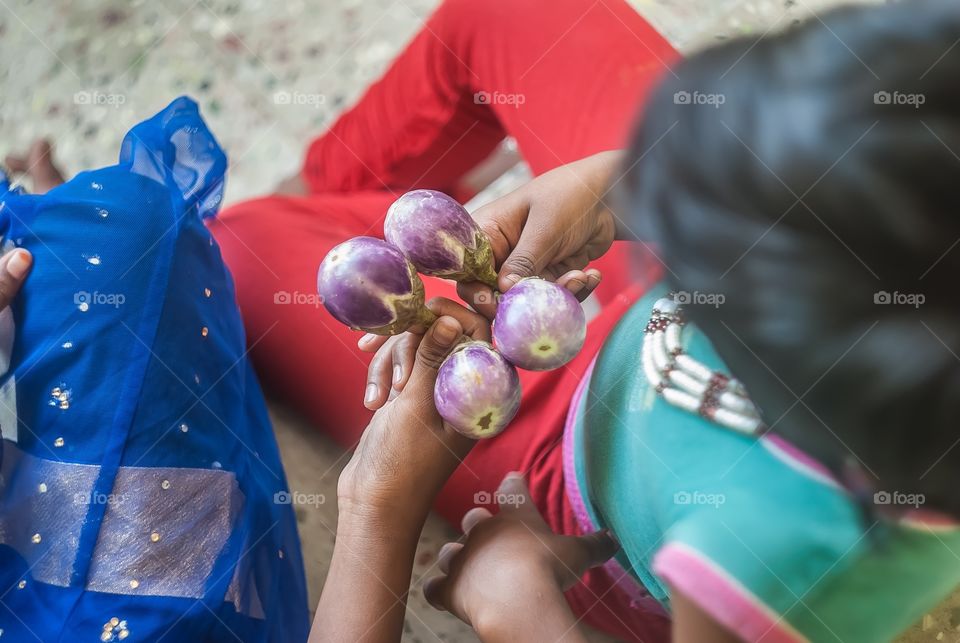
[(594, 279), (366, 339), (513, 278), (575, 286), (445, 333), (397, 373), (371, 393), (18, 264)]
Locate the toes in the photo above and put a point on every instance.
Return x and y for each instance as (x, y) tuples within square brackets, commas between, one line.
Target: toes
[(41, 168), (16, 163)]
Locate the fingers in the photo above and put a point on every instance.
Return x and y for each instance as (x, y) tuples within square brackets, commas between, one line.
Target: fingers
[(591, 550), (501, 221), (371, 343), (580, 282), (434, 590), (447, 553), (439, 340), (390, 369), (484, 300), (480, 297), (14, 267), (378, 376), (528, 259), (403, 354), (473, 518), (473, 324), (514, 488)]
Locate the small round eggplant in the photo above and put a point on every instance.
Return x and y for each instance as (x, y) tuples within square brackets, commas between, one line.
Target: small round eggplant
[(477, 390), (539, 325), (369, 285)]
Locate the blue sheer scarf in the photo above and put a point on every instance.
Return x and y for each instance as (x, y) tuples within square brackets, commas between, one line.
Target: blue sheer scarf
[(142, 492)]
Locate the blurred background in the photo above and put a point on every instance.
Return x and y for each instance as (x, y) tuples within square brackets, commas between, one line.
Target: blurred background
[(269, 75)]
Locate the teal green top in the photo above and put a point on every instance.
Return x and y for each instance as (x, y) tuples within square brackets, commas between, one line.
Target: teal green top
[(759, 535)]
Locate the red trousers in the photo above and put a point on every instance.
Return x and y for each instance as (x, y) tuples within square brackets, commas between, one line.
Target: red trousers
[(565, 78)]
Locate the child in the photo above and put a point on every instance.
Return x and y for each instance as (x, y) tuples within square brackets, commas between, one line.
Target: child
[(787, 213), (800, 191)]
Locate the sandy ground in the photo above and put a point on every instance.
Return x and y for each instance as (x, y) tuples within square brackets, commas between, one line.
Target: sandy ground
[(83, 72)]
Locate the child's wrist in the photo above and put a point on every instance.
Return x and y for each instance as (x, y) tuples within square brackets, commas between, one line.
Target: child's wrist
[(378, 518)]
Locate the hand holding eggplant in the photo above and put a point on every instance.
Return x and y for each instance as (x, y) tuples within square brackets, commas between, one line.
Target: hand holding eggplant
[(373, 285)]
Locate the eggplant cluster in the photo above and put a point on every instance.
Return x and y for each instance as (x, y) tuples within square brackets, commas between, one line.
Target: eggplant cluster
[(373, 285)]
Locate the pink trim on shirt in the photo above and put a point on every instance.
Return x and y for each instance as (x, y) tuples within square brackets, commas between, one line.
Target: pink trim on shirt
[(571, 484), (722, 596), (637, 594)]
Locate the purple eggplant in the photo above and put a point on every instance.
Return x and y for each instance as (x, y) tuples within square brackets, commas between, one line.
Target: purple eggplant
[(440, 237), (539, 325), (369, 285), (477, 390)]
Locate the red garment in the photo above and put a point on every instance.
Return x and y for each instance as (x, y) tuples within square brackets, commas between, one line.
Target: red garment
[(564, 78)]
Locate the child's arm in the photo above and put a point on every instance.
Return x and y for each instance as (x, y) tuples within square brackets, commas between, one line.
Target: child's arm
[(507, 580), (384, 495)]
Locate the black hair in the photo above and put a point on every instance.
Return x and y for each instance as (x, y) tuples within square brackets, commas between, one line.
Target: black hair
[(812, 178)]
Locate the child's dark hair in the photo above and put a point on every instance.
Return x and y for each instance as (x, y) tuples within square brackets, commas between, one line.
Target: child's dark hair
[(813, 179)]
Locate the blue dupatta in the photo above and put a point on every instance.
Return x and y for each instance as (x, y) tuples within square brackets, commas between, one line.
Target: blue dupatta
[(139, 470)]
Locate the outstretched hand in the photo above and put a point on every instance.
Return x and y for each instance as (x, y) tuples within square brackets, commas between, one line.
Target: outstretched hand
[(513, 565), (407, 452), (552, 227)]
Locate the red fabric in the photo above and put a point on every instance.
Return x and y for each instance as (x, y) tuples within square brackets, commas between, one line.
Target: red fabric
[(565, 79)]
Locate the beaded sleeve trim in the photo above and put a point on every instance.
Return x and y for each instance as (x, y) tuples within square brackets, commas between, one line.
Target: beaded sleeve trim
[(687, 383)]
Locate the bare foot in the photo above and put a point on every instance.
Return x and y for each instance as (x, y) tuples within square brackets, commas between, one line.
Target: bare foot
[(37, 164)]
